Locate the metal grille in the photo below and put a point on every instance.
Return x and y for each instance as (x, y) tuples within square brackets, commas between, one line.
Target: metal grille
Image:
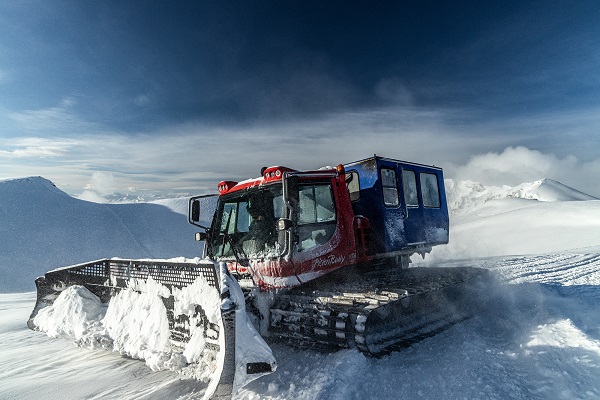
[(167, 273)]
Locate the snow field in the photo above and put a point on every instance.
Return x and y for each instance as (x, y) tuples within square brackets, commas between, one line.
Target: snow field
[(537, 335)]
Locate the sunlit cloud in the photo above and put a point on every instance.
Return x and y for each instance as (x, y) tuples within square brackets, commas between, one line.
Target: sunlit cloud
[(512, 166), (516, 165)]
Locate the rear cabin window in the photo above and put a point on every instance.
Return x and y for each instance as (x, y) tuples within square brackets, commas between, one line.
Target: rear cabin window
[(409, 184), (430, 190), (390, 187)]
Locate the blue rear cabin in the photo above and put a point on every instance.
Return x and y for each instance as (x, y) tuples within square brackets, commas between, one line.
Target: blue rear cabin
[(404, 202)]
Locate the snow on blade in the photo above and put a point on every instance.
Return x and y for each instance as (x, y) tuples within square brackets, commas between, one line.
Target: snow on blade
[(138, 325), (200, 293), (135, 323), (76, 313)]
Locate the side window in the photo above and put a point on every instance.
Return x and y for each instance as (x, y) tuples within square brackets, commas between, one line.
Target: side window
[(243, 218), (409, 184), (390, 187), (316, 204), (229, 218), (430, 190), (316, 221), (278, 207), (354, 186)]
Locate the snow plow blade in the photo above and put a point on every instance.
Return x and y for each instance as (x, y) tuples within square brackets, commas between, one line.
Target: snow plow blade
[(208, 335)]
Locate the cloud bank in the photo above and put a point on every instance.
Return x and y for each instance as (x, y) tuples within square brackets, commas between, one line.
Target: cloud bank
[(191, 158)]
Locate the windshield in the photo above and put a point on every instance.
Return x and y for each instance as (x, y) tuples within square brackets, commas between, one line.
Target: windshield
[(247, 220)]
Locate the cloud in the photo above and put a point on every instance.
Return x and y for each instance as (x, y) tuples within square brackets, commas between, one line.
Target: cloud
[(142, 100), (191, 158), (516, 165), (90, 195), (61, 119), (101, 183), (36, 148)]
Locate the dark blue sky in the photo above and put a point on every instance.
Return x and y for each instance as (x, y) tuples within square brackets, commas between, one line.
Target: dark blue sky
[(489, 75)]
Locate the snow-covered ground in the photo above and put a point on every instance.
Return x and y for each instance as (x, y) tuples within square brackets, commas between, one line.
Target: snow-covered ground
[(537, 337)]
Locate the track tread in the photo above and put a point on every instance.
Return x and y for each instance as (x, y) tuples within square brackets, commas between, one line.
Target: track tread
[(343, 315)]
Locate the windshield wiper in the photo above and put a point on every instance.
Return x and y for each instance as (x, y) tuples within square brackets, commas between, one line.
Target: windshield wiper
[(235, 249)]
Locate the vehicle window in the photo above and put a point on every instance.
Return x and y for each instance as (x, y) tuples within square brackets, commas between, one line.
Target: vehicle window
[(316, 204), (229, 217), (249, 219), (409, 185), (243, 218), (316, 222), (430, 190), (390, 187), (354, 186), (278, 207)]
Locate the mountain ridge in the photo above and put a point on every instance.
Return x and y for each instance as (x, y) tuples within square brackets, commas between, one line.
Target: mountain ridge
[(44, 228), (467, 196)]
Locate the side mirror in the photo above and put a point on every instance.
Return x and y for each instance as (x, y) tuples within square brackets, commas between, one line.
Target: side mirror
[(195, 214), (201, 210), (292, 192), (283, 224)]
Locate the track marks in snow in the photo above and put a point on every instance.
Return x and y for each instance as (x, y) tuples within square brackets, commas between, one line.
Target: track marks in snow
[(546, 310), (564, 269)]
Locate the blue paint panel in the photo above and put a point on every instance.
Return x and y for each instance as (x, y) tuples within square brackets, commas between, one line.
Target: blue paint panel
[(398, 227)]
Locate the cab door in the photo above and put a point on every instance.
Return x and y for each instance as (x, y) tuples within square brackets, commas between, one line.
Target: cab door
[(321, 242), (415, 220), (404, 219)]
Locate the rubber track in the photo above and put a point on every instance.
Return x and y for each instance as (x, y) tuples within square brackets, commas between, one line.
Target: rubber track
[(377, 312)]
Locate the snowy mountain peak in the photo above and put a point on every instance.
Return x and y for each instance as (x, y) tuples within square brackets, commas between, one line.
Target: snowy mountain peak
[(548, 190), (28, 184), (42, 228), (465, 196)]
